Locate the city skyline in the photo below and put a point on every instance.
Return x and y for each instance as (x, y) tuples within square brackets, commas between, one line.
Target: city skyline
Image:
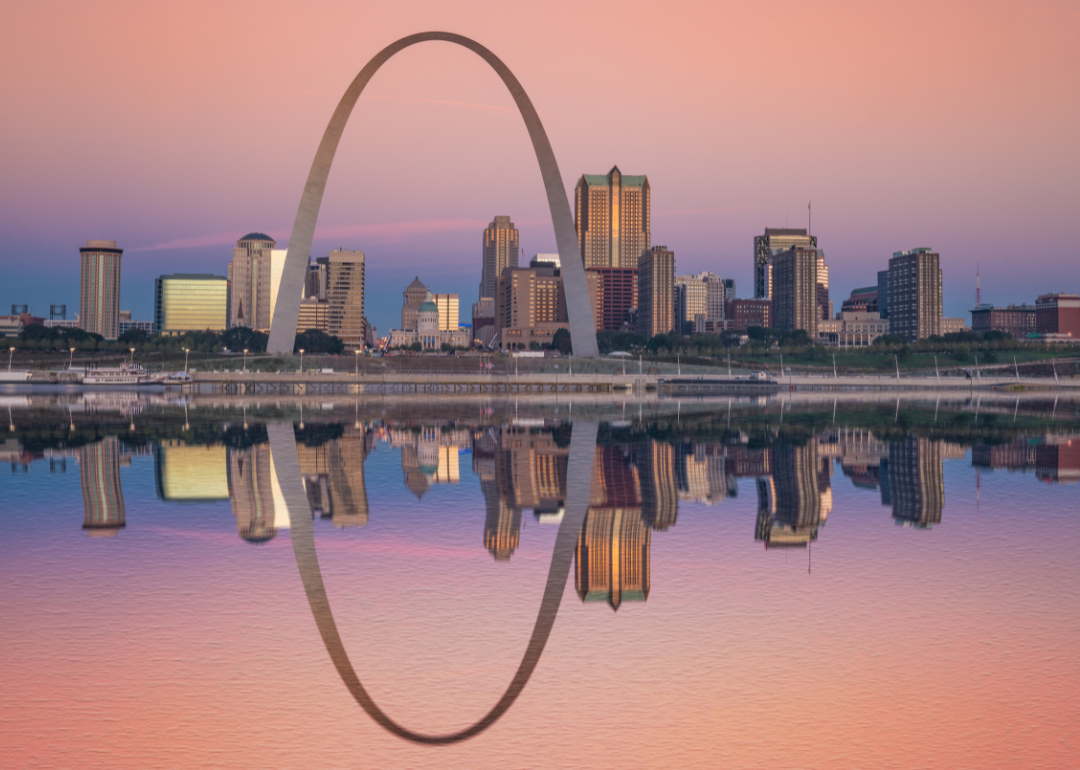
[(1001, 213)]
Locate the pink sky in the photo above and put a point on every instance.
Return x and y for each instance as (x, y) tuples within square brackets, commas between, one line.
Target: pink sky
[(946, 124)]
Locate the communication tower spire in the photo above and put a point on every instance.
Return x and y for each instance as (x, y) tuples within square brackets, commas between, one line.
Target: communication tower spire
[(978, 291)]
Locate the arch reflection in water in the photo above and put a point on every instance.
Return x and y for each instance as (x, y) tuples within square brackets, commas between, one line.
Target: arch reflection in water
[(287, 467)]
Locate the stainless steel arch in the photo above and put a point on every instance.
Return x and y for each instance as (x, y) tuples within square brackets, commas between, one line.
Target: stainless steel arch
[(578, 308), (579, 475)]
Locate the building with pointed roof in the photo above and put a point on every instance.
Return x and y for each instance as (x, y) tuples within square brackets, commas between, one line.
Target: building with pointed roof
[(412, 297), (612, 214)]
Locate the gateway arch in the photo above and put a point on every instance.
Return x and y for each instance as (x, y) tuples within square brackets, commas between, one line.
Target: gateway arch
[(578, 307)]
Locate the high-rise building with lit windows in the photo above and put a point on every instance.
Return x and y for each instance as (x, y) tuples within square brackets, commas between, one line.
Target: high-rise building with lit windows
[(345, 296), (190, 302), (99, 288), (502, 247), (915, 294), (656, 292), (774, 240), (612, 213), (249, 281)]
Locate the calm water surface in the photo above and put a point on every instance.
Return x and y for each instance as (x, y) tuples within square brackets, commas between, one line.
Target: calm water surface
[(403, 584)]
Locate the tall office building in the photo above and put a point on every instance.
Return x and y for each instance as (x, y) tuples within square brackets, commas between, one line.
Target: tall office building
[(795, 287), (249, 281), (823, 302), (501, 249), (656, 292), (914, 294), (774, 240), (345, 296), (716, 295), (412, 297), (448, 311), (530, 305), (190, 302), (99, 288), (691, 301), (883, 293), (616, 295), (612, 216), (99, 477)]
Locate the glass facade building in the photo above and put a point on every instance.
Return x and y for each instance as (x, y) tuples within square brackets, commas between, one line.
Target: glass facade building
[(190, 302)]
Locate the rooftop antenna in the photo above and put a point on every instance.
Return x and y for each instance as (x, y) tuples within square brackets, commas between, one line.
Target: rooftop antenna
[(978, 291), (809, 219)]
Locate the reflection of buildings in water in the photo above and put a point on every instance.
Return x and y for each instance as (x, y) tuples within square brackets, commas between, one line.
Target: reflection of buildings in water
[(860, 454), (191, 472), (429, 455), (659, 494), (743, 461), (790, 507), (333, 474), (701, 471), (612, 556), (1054, 459), (519, 468), (103, 498), (825, 486), (916, 482), (1057, 460), (251, 492)]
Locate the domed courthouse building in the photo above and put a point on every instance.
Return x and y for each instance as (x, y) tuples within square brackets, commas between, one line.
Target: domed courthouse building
[(427, 332)]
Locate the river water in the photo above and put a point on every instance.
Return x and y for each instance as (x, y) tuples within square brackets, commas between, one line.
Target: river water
[(395, 583)]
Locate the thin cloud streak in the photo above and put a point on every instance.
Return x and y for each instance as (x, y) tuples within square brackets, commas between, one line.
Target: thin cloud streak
[(388, 232)]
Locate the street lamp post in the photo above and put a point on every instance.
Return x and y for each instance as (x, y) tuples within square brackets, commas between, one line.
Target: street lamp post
[(132, 361), (186, 351), (71, 357), (245, 360), (11, 352), (301, 360), (356, 374)]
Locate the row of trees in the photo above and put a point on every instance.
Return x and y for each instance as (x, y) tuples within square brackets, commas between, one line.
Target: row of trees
[(39, 337)]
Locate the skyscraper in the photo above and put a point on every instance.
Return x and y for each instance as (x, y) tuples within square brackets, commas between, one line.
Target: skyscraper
[(412, 297), (883, 293), (616, 294), (501, 250), (249, 281), (345, 296), (823, 302), (656, 292), (691, 301), (775, 239), (612, 216), (99, 288), (190, 302), (915, 294), (795, 290), (448, 311)]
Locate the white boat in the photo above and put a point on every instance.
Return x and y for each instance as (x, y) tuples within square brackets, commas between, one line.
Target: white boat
[(125, 374), (14, 376)]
